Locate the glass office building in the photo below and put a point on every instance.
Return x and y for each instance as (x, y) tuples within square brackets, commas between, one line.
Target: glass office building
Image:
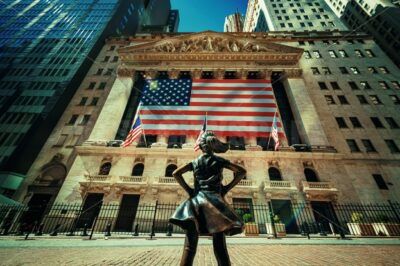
[(46, 48)]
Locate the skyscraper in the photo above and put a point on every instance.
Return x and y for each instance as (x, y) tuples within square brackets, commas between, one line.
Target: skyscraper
[(234, 23), (46, 48), (378, 18), (277, 15)]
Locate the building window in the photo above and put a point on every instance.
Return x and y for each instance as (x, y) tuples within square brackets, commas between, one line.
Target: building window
[(372, 70), (317, 54), (377, 123), (176, 141), (85, 120), (352, 145), (342, 99), (395, 99), (108, 72), (236, 143), (138, 170), (274, 174), (73, 119), (307, 55), (343, 70), (332, 54), (99, 71), (353, 85), (384, 70), (392, 123), (115, 59), (315, 70), (365, 85), (326, 71), (150, 139), (355, 122), (102, 86), (106, 59), (392, 146), (369, 53), (341, 122), (170, 169), (105, 168), (369, 147), (91, 85), (355, 70), (322, 86), (374, 99), (61, 140), (112, 48), (83, 101), (94, 101), (358, 53), (380, 182), (396, 85), (384, 85), (329, 99), (310, 175), (343, 53), (335, 85)]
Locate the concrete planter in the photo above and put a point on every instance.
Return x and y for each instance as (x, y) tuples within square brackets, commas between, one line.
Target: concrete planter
[(386, 229), (251, 229), (360, 229), (279, 227)]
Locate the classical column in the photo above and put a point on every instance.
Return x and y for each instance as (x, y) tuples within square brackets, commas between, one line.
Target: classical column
[(107, 123), (219, 73), (173, 73), (196, 73), (304, 111)]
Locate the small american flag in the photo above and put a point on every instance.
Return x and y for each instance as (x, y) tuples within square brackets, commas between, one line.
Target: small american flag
[(203, 129), (134, 133), (274, 133)]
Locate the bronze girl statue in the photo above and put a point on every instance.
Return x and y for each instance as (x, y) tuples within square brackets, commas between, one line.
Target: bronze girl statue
[(206, 212)]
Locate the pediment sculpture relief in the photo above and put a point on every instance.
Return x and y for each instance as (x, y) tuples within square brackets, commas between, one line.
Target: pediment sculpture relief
[(209, 44)]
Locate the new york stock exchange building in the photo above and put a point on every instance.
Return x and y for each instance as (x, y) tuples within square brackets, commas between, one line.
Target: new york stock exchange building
[(300, 111)]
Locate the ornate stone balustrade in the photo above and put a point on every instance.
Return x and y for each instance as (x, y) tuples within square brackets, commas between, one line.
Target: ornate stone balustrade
[(320, 190), (133, 179), (246, 183), (281, 184), (167, 180), (98, 178), (279, 188)]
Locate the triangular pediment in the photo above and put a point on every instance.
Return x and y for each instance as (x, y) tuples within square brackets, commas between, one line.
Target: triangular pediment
[(209, 42)]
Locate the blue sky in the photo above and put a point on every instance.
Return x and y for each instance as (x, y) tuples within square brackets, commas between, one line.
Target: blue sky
[(200, 15)]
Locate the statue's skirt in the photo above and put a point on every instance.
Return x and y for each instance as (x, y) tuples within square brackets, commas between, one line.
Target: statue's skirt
[(211, 214)]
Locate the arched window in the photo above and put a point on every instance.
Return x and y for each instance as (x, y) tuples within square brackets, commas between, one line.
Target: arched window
[(274, 174), (105, 168), (170, 169), (138, 169), (310, 174)]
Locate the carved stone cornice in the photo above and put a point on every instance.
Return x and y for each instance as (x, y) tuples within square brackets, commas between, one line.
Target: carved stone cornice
[(126, 72), (293, 73), (151, 73), (173, 73)]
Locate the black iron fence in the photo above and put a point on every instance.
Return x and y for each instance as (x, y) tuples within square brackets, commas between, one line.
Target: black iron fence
[(276, 218)]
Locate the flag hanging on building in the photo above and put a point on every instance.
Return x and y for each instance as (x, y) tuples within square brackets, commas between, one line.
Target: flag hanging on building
[(134, 133), (203, 129), (274, 133), (234, 107)]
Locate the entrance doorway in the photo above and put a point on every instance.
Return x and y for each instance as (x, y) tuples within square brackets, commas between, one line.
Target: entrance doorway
[(283, 208), (127, 212), (324, 214), (37, 206), (91, 209)]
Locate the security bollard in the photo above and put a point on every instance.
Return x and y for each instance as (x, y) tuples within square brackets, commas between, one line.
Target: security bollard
[(85, 227), (136, 233), (55, 231), (169, 230), (39, 231), (108, 230)]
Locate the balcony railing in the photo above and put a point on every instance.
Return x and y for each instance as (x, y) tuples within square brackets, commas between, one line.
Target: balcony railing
[(329, 186), (98, 178), (280, 184), (167, 180), (133, 179), (246, 183)]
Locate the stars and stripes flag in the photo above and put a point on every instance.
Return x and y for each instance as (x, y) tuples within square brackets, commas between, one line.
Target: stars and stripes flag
[(274, 133), (203, 129), (135, 131), (234, 107)]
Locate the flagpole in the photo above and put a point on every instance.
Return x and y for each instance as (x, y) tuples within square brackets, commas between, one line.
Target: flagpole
[(273, 121)]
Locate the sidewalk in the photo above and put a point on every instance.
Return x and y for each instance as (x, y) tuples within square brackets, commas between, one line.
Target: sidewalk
[(244, 251)]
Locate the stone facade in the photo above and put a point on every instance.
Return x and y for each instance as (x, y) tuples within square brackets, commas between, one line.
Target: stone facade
[(341, 175)]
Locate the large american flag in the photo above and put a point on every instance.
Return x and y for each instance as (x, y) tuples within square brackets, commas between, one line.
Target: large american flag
[(233, 107)]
